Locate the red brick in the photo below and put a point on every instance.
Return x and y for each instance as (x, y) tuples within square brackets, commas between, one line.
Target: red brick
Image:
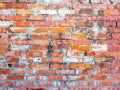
[(51, 84), (7, 0), (13, 59), (86, 83), (56, 78), (7, 84), (28, 71), (28, 84), (40, 42), (6, 71), (64, 24), (16, 6), (38, 48), (57, 65), (37, 89), (107, 83), (40, 36), (83, 42), (45, 72), (84, 71), (4, 36), (65, 72), (38, 65), (83, 24), (32, 17), (4, 41), (116, 36), (52, 60), (34, 54), (16, 88), (15, 17), (44, 24), (22, 42), (15, 77)]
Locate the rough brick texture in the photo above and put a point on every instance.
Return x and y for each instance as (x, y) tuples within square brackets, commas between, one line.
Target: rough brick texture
[(59, 44)]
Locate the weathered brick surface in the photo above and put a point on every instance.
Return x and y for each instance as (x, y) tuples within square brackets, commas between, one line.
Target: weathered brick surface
[(59, 44)]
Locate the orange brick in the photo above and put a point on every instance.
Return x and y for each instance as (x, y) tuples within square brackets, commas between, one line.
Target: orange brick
[(84, 66), (100, 59), (41, 30), (41, 6), (3, 47), (41, 36), (77, 36), (15, 77), (22, 24), (16, 6), (15, 17), (75, 48), (3, 30), (64, 24), (83, 24), (23, 11), (2, 5), (59, 30), (82, 48), (23, 30), (38, 65), (21, 42), (96, 77), (1, 53), (85, 48)]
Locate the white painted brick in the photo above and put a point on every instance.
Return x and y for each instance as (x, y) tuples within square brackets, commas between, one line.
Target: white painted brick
[(20, 47), (19, 36), (100, 48), (47, 12), (71, 59), (8, 12), (64, 11), (5, 23)]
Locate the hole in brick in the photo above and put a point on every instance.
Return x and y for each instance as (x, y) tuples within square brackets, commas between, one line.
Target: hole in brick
[(9, 65)]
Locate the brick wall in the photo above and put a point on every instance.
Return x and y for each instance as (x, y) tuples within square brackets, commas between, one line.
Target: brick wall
[(59, 45)]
